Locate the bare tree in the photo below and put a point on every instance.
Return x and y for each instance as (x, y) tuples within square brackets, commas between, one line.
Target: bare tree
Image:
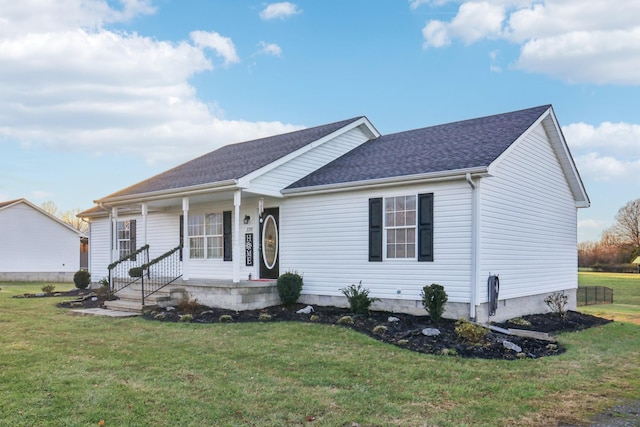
[(50, 207), (70, 217), (627, 227)]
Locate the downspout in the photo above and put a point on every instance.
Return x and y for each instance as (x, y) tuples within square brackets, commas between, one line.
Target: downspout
[(474, 248)]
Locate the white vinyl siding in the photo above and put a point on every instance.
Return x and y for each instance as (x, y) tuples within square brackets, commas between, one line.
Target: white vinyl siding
[(299, 167), (99, 248), (528, 222), (32, 242), (324, 238)]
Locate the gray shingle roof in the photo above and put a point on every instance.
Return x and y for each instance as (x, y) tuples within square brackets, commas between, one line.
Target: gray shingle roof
[(231, 161), (453, 146)]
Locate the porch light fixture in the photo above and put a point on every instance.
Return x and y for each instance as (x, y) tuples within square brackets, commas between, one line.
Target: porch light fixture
[(261, 206), (247, 218)]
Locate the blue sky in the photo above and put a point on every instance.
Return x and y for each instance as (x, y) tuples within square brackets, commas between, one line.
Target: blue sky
[(97, 95)]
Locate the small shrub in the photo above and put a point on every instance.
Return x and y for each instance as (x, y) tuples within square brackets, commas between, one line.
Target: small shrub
[(470, 332), (289, 288), (226, 318), (264, 317), (359, 299), (314, 318), (434, 299), (346, 320), (557, 303), (186, 318), (104, 282), (82, 278), (136, 272), (188, 305), (48, 289), (380, 330)]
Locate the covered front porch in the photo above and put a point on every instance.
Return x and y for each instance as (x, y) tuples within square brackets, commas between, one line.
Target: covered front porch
[(215, 262)]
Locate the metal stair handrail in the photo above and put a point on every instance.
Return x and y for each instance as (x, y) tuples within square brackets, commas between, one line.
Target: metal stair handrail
[(160, 272), (119, 272)]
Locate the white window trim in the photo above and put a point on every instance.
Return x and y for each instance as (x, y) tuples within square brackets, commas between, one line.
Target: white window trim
[(385, 228), (205, 237)]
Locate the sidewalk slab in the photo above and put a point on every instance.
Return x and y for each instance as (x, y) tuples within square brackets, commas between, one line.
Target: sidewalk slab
[(104, 312)]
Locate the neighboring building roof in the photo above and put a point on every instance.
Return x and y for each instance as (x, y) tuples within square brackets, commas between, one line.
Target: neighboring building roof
[(454, 146), (6, 205), (232, 161)]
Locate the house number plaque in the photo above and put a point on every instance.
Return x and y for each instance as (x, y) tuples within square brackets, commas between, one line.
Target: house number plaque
[(248, 249)]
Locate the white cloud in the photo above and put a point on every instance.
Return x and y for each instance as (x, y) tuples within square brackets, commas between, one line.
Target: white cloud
[(474, 21), (270, 49), (608, 152), (573, 40), (69, 84), (279, 10), (223, 46)]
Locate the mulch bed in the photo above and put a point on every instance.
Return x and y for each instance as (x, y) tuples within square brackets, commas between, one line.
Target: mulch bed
[(407, 330), (402, 330)]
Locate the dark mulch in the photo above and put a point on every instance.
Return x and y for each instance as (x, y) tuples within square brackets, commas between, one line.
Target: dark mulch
[(403, 330), (407, 330)]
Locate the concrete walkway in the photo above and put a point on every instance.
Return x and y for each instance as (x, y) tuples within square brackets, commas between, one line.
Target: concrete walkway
[(103, 312)]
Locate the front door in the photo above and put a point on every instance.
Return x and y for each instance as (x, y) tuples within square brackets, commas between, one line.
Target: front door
[(269, 244)]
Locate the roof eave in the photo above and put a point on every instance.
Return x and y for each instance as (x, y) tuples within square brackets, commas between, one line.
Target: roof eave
[(475, 172), (166, 194)]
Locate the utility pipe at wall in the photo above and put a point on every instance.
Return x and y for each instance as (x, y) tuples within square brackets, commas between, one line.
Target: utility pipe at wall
[(474, 247)]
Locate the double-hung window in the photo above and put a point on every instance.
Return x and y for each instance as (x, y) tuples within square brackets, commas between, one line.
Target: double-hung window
[(126, 237), (400, 226), (206, 236)]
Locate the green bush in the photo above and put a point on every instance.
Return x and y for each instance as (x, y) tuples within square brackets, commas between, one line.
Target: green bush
[(359, 299), (82, 278), (289, 288), (434, 299), (135, 272)]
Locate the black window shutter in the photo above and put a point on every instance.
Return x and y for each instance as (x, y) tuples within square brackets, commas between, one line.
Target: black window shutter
[(375, 229), (425, 227), (132, 238), (226, 236), (181, 235)]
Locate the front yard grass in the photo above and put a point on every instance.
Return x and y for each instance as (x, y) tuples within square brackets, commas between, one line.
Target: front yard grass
[(60, 369)]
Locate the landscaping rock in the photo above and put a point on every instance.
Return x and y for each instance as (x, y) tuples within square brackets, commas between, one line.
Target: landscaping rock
[(307, 310), (511, 346), (431, 332)]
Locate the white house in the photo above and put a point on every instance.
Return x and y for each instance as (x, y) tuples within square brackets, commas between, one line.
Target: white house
[(457, 204), (35, 245)]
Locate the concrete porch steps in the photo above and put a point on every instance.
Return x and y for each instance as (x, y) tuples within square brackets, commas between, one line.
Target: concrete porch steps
[(130, 299)]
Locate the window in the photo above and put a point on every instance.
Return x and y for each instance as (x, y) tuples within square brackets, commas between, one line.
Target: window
[(206, 236), (400, 226), (406, 222), (126, 237)]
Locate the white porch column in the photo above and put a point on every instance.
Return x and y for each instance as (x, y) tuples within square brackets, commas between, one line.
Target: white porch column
[(185, 238), (235, 241), (145, 211), (114, 235)]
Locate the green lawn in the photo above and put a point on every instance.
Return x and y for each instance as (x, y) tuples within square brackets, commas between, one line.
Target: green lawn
[(626, 295), (58, 369)]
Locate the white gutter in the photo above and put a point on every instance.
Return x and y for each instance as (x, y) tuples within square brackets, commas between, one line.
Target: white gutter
[(385, 182), (174, 192), (473, 300)]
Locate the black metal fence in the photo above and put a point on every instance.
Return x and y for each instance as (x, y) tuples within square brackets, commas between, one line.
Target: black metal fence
[(591, 295)]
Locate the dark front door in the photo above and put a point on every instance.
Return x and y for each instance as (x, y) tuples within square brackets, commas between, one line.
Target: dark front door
[(270, 244)]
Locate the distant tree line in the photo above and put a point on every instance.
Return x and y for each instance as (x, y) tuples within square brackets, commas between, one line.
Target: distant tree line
[(619, 245)]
